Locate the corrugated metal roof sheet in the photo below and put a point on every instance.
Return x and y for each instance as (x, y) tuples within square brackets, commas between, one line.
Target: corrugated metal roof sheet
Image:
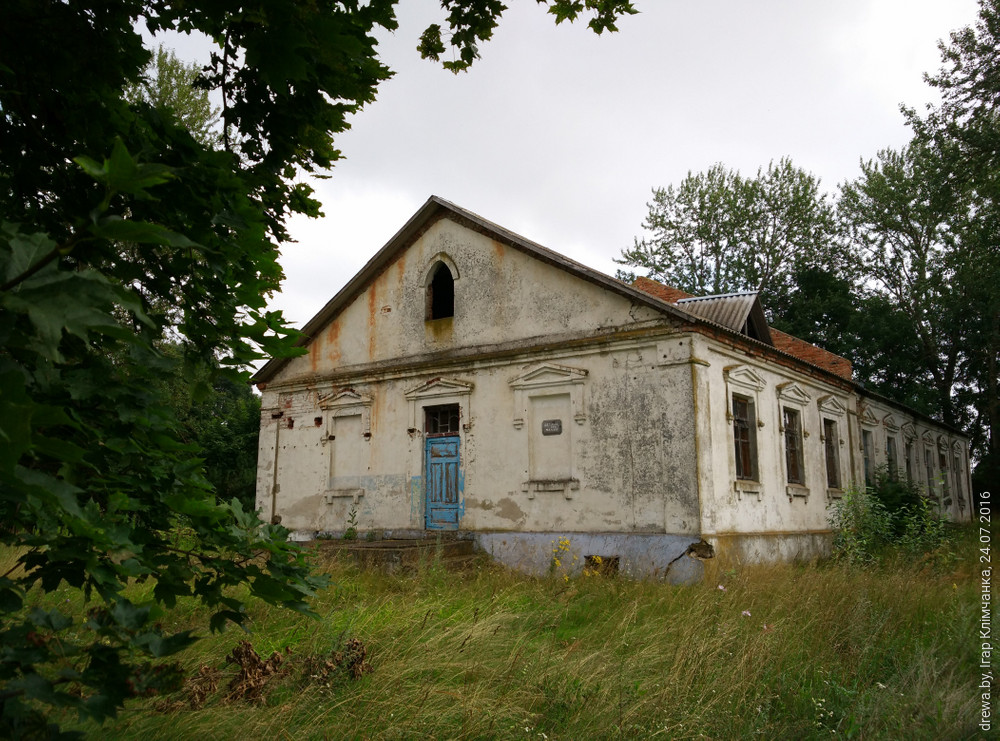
[(740, 312)]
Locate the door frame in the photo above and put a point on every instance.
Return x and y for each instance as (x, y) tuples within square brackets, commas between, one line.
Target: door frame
[(442, 426)]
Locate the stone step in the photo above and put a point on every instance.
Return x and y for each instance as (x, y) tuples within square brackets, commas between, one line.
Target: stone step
[(392, 554)]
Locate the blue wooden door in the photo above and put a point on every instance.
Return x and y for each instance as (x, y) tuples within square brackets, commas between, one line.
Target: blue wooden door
[(442, 483)]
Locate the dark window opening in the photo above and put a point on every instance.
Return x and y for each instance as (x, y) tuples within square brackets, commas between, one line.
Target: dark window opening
[(945, 478), (441, 293), (793, 446), (866, 448), (909, 462), (890, 457), (929, 470), (745, 438), (441, 420), (831, 442)]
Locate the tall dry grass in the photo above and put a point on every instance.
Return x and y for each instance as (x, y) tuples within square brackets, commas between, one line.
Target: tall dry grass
[(778, 652)]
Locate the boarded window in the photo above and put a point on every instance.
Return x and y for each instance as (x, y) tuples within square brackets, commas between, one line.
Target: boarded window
[(441, 293), (793, 446), (551, 454), (441, 420), (831, 443), (745, 437), (348, 451)]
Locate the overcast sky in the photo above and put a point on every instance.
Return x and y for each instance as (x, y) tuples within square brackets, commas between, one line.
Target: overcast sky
[(559, 135)]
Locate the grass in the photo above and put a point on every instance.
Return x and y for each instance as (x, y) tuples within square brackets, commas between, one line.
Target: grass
[(784, 651)]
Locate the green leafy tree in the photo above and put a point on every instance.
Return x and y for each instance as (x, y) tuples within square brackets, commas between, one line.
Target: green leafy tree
[(175, 87), (905, 220), (96, 480), (219, 415), (847, 318), (965, 130), (720, 232), (928, 224)]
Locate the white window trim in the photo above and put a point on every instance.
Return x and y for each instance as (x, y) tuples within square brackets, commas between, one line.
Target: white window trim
[(791, 395), (439, 391), (344, 403), (743, 380), (546, 379), (830, 407)]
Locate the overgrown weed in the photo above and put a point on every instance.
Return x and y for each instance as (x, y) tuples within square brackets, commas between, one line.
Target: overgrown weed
[(783, 651)]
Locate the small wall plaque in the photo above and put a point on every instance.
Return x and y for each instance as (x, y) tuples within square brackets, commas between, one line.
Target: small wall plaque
[(552, 427)]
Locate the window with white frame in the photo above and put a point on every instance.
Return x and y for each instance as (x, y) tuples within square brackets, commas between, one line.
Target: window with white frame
[(929, 471), (743, 387), (891, 457), (868, 453), (794, 460), (745, 437), (831, 448), (833, 413)]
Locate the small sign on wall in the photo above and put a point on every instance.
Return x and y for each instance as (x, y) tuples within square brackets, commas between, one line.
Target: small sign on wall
[(552, 427)]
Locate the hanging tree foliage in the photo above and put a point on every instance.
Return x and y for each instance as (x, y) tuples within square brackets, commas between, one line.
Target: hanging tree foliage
[(94, 477)]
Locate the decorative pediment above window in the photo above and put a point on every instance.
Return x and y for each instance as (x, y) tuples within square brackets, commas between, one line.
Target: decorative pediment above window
[(831, 405), (441, 391), (547, 378), (890, 423), (549, 374), (439, 387), (956, 447), (867, 417), (347, 402), (942, 443), (908, 432), (792, 392), (744, 375), (343, 398), (928, 437)]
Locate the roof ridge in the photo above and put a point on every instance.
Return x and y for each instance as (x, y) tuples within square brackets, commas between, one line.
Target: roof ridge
[(734, 294)]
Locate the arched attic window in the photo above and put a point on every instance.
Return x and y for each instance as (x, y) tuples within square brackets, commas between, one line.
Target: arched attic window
[(440, 292)]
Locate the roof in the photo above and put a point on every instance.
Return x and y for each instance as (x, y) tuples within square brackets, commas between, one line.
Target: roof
[(432, 210), (663, 292), (740, 312), (812, 354), (730, 312), (728, 309)]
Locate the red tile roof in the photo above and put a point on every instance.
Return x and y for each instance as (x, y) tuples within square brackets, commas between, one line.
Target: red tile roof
[(812, 354), (665, 293), (784, 342)]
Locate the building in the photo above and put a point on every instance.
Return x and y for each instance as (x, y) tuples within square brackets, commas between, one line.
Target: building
[(468, 379)]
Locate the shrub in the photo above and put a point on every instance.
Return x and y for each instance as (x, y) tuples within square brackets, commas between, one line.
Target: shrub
[(922, 530), (862, 525), (891, 514), (898, 496)]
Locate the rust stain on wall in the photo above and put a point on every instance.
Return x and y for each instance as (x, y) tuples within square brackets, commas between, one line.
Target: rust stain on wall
[(314, 356), (372, 313), (333, 342), (401, 271)]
